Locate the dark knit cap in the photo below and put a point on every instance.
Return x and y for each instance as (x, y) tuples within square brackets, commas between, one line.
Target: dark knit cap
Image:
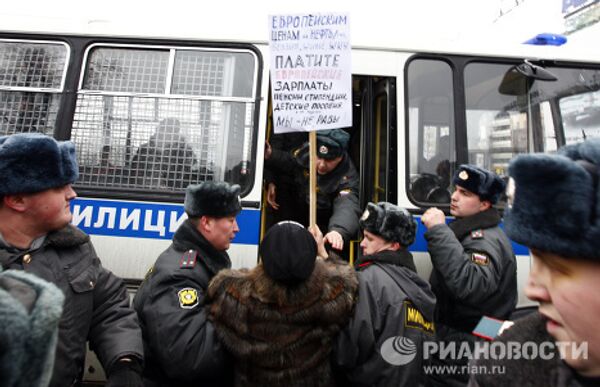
[(33, 162), (392, 223), (485, 184), (212, 199), (288, 253), (554, 201)]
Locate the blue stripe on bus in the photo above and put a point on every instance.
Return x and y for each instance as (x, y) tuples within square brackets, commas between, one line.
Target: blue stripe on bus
[(147, 220), (420, 244)]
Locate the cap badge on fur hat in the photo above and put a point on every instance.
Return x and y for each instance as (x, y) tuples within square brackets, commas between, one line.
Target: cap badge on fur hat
[(323, 150), (365, 215), (463, 175)]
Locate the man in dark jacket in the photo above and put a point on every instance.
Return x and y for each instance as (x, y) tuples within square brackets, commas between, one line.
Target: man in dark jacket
[(35, 236), (394, 310), (337, 186), (553, 202), (474, 267), (181, 345)]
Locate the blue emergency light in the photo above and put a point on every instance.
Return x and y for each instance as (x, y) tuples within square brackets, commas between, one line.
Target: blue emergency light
[(547, 39)]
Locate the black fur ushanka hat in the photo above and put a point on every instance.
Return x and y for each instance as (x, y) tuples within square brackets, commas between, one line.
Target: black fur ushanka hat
[(554, 201), (217, 200), (485, 184), (33, 162), (392, 223)]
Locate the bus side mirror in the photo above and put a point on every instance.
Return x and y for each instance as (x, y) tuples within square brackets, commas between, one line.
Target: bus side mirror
[(519, 79)]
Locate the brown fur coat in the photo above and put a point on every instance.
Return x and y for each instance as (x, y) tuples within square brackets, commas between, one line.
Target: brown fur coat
[(282, 336)]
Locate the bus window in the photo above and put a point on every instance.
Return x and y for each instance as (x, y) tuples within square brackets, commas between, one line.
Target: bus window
[(431, 130), (581, 116), (31, 80), (496, 122), (157, 119)]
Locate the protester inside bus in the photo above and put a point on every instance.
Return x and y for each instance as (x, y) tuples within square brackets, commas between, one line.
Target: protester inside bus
[(181, 346), (30, 309), (474, 267), (281, 187), (337, 186), (279, 319), (166, 160), (394, 304), (553, 203), (35, 236)]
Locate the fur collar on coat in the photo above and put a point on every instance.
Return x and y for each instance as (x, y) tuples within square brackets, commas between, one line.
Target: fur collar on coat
[(282, 336)]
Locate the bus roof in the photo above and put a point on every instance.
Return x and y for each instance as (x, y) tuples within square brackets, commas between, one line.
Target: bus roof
[(379, 27)]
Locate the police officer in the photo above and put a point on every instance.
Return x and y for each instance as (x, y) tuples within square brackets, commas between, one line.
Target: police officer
[(181, 345), (552, 209), (394, 309), (337, 186), (35, 236), (474, 267)]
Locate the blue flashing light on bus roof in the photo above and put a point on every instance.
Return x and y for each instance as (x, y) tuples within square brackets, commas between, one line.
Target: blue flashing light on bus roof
[(547, 39)]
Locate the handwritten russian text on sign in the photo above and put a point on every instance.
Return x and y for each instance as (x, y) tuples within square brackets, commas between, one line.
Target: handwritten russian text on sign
[(310, 72)]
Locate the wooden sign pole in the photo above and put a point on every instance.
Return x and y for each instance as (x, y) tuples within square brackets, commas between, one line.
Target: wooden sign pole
[(312, 140)]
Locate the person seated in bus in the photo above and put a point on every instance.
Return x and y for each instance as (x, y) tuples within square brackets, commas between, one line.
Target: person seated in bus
[(395, 306), (36, 236), (30, 310), (279, 319), (181, 346), (474, 267), (553, 202), (337, 186), (166, 160), (433, 183)]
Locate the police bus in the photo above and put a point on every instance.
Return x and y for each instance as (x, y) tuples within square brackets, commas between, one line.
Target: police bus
[(154, 104)]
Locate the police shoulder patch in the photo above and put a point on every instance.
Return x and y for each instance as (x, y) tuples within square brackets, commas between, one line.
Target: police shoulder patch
[(188, 298), (477, 234), (413, 318), (480, 258)]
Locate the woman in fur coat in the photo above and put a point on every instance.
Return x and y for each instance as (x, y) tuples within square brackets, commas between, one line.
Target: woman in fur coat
[(279, 319)]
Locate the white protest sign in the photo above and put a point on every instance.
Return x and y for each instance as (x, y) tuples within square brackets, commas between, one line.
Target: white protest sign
[(310, 72)]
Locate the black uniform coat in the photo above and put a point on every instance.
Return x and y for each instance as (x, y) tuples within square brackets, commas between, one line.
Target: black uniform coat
[(543, 371), (393, 302), (181, 346), (474, 275), (474, 271), (96, 304), (337, 193)]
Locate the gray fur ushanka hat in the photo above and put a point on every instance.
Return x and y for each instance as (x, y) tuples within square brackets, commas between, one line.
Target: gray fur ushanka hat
[(33, 162), (554, 201), (485, 184), (332, 143), (392, 223), (212, 199)]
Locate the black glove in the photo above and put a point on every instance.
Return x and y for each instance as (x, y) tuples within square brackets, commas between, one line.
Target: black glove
[(125, 373)]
